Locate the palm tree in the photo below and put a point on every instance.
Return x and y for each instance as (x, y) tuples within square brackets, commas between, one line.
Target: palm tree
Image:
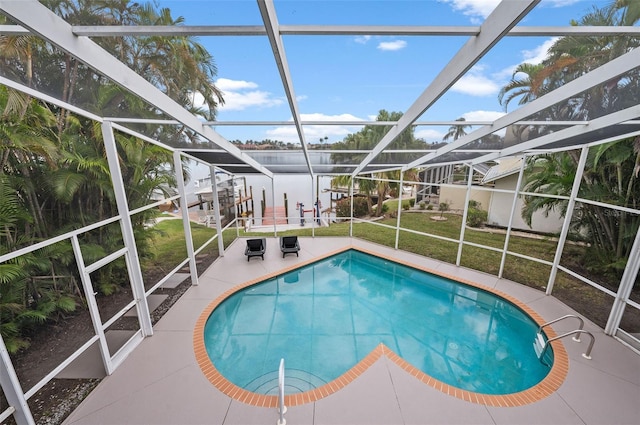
[(571, 57), (456, 131), (610, 174), (527, 86)]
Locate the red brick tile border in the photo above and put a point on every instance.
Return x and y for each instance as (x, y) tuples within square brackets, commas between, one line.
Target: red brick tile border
[(544, 388)]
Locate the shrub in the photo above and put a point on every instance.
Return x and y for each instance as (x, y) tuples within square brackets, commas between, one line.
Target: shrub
[(429, 207), (385, 208), (360, 207), (476, 217), (422, 205), (412, 202), (405, 206)]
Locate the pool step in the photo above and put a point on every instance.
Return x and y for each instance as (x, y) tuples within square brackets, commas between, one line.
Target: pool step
[(295, 381)]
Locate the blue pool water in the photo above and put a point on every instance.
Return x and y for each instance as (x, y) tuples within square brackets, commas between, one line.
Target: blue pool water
[(325, 317)]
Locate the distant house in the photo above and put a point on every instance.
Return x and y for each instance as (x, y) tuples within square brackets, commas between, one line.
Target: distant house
[(505, 176)]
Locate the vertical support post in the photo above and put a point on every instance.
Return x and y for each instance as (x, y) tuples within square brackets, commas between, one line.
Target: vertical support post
[(567, 219), (253, 208), (12, 389), (399, 209), (216, 209), (313, 221), (286, 208), (186, 223), (351, 212), (126, 227), (624, 290), (514, 203), (87, 286), (463, 225), (273, 202)]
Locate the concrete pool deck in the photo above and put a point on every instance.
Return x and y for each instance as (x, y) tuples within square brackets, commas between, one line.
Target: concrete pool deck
[(161, 382)]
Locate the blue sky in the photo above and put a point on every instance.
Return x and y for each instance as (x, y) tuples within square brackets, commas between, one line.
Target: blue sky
[(352, 78)]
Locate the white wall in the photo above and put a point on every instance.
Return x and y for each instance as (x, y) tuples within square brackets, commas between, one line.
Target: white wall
[(455, 195), (500, 210)]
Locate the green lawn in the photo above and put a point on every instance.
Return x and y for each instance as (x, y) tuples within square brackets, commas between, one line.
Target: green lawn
[(169, 249)]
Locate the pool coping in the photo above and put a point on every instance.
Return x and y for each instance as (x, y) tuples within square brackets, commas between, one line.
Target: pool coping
[(543, 389)]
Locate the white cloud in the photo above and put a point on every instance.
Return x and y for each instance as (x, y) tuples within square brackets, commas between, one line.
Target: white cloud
[(558, 3), (429, 134), (538, 54), (363, 39), (225, 84), (483, 115), (392, 45), (476, 84), (313, 133), (473, 8), (239, 95)]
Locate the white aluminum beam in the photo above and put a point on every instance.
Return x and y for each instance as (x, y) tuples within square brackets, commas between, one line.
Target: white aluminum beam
[(12, 389), (94, 311), (37, 18), (455, 30), (498, 23), (268, 12), (347, 30), (624, 290), (327, 122), (132, 258), (611, 69), (166, 30), (186, 223), (216, 208), (512, 216), (596, 124), (564, 232)]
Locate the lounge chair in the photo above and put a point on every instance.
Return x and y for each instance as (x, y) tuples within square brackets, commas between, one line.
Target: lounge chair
[(255, 248), (289, 245)]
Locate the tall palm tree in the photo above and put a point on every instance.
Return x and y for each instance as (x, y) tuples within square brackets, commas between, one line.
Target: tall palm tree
[(456, 131)]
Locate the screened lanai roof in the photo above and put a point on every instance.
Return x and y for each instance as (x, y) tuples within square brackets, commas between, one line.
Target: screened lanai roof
[(277, 37)]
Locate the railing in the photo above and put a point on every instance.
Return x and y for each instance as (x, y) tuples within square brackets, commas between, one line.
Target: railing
[(282, 409), (4, 415), (576, 339), (540, 345), (586, 354)]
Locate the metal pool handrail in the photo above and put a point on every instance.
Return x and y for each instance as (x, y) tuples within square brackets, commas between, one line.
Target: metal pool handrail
[(282, 409), (575, 338), (586, 354)]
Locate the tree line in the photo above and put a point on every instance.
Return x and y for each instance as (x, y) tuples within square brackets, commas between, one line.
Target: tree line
[(54, 175)]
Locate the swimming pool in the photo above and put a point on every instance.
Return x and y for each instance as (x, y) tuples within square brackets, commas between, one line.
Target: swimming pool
[(325, 317)]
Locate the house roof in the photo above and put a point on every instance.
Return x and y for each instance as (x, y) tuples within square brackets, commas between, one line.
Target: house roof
[(505, 167)]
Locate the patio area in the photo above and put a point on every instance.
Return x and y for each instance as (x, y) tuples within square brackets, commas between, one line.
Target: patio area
[(161, 382)]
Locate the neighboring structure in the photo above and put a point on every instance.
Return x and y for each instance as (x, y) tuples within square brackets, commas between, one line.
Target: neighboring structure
[(504, 177)]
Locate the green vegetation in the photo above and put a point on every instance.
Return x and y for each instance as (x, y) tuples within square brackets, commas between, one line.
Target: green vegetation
[(54, 175), (611, 172), (476, 216), (169, 248)]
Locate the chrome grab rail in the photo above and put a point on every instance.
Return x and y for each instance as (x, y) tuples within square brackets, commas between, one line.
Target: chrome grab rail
[(282, 409), (577, 339), (540, 345), (586, 354)]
